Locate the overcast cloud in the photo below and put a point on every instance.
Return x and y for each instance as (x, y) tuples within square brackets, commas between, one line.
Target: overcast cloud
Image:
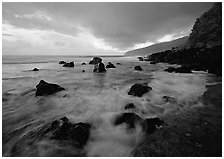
[(93, 28)]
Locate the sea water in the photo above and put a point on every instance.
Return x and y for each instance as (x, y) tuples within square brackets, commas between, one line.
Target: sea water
[(88, 97)]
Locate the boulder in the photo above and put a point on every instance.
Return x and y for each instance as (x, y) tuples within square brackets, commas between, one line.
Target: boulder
[(71, 64), (129, 106), (83, 71), (138, 68), (110, 65), (83, 63), (35, 69), (99, 68), (44, 88), (140, 59), (95, 60), (150, 125), (118, 63), (78, 133), (62, 62), (131, 119), (139, 89)]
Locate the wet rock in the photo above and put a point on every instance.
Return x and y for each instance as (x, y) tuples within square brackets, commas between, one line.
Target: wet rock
[(169, 99), (95, 60), (131, 119), (170, 69), (129, 106), (62, 62), (139, 89), (83, 71), (44, 88), (138, 68), (78, 133), (153, 62), (110, 65), (99, 68), (83, 63), (71, 64), (118, 63), (35, 69), (140, 59), (183, 69), (150, 125)]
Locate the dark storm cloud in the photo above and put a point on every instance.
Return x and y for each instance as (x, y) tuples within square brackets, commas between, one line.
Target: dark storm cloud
[(120, 25)]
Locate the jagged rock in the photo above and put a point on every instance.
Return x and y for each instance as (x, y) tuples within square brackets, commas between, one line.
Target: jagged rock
[(95, 60), (110, 65), (83, 63), (35, 69), (44, 88), (62, 62), (131, 119), (139, 89), (138, 68), (129, 106), (149, 125), (71, 64)]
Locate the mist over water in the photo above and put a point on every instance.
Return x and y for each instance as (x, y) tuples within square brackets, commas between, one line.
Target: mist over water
[(96, 98)]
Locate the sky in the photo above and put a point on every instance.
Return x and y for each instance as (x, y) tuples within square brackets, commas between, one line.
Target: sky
[(97, 28)]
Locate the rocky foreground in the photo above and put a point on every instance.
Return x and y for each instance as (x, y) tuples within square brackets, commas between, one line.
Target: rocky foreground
[(193, 132)]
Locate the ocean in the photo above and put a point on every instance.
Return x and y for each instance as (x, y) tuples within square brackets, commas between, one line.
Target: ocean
[(88, 97)]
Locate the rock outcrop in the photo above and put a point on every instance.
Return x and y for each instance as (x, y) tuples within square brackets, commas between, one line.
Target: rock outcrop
[(95, 60), (70, 64), (110, 65), (35, 69), (44, 88), (138, 68)]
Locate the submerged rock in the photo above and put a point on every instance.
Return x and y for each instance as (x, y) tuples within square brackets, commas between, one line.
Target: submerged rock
[(139, 89), (83, 71), (169, 99), (140, 58), (44, 88), (62, 62), (138, 68), (153, 62), (99, 68), (110, 65), (71, 64), (129, 106), (170, 69), (95, 60), (150, 125), (131, 119), (35, 69), (118, 63), (83, 63), (78, 133)]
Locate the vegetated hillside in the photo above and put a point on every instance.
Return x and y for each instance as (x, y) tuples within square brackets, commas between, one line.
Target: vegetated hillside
[(207, 30), (180, 43)]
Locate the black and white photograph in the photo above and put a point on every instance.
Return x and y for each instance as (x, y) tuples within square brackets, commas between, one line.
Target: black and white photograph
[(112, 79)]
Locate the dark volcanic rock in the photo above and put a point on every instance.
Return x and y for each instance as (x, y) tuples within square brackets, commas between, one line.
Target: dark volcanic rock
[(95, 60), (62, 62), (131, 119), (139, 89), (170, 69), (35, 69), (138, 68), (99, 68), (44, 88), (129, 106), (71, 64), (118, 63), (149, 125), (83, 71), (110, 65), (83, 63)]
